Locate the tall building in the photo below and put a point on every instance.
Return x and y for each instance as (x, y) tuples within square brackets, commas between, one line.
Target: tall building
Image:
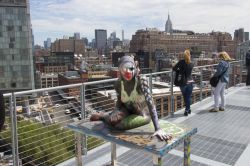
[(111, 40), (16, 60), (239, 35), (65, 37), (77, 36), (168, 26), (122, 35), (93, 44), (242, 49), (113, 35), (85, 41), (47, 43), (101, 40), (246, 36)]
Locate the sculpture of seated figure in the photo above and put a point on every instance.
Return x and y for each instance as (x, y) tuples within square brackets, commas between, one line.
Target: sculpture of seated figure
[(135, 106)]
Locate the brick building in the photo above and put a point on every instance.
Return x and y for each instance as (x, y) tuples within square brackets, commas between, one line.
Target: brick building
[(150, 40), (68, 45)]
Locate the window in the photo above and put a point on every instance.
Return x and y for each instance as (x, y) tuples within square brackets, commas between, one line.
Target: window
[(10, 22), (2, 85), (10, 28), (11, 45), (9, 10), (1, 71), (14, 73), (12, 39), (20, 1)]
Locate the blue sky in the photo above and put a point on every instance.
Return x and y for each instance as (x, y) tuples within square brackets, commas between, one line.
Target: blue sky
[(55, 18)]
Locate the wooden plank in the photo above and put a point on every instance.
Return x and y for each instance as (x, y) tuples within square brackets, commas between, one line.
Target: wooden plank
[(138, 138)]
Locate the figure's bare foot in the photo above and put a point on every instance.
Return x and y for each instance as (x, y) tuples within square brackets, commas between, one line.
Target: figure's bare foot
[(96, 116)]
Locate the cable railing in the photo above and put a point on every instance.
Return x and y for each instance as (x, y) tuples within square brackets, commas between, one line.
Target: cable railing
[(35, 133)]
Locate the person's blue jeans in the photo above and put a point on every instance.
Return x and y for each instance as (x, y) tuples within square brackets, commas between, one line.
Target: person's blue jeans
[(186, 91)]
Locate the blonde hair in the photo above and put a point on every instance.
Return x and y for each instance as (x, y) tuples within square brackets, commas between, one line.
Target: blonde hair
[(187, 56), (224, 55)]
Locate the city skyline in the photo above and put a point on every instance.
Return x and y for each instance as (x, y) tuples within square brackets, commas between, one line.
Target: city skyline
[(55, 18)]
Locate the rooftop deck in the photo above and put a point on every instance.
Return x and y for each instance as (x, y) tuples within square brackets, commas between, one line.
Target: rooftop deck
[(31, 140), (223, 138)]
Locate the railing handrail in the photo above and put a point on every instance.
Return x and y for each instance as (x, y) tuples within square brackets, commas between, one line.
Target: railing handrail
[(91, 83)]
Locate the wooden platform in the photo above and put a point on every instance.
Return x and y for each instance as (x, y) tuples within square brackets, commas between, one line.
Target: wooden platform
[(140, 138)]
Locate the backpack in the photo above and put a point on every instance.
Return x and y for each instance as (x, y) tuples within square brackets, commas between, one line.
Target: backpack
[(180, 78), (180, 69)]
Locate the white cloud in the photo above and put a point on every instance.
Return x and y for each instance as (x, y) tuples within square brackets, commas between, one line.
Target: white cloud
[(57, 17)]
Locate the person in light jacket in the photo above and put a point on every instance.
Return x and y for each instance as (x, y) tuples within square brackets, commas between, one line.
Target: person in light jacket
[(222, 71)]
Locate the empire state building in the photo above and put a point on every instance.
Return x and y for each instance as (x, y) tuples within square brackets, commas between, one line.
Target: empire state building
[(168, 26)]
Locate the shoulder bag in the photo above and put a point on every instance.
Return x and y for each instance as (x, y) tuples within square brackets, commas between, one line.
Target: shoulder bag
[(215, 79)]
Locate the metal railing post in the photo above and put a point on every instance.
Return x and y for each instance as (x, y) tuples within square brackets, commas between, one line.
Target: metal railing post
[(150, 83), (241, 69), (78, 145), (201, 84), (83, 113), (14, 136), (82, 98), (234, 74), (172, 95)]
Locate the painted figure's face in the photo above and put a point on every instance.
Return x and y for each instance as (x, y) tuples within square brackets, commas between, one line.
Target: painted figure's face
[(127, 70)]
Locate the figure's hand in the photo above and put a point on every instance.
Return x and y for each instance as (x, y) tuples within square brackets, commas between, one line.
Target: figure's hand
[(114, 119), (96, 116), (162, 135)]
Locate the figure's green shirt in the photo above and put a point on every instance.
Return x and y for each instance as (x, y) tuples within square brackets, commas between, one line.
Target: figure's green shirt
[(125, 98)]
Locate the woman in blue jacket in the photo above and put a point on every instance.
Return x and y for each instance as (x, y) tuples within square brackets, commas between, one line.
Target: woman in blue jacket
[(222, 71)]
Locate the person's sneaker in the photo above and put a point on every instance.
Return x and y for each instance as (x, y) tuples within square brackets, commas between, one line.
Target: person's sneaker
[(221, 109), (213, 110), (185, 113), (189, 111)]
